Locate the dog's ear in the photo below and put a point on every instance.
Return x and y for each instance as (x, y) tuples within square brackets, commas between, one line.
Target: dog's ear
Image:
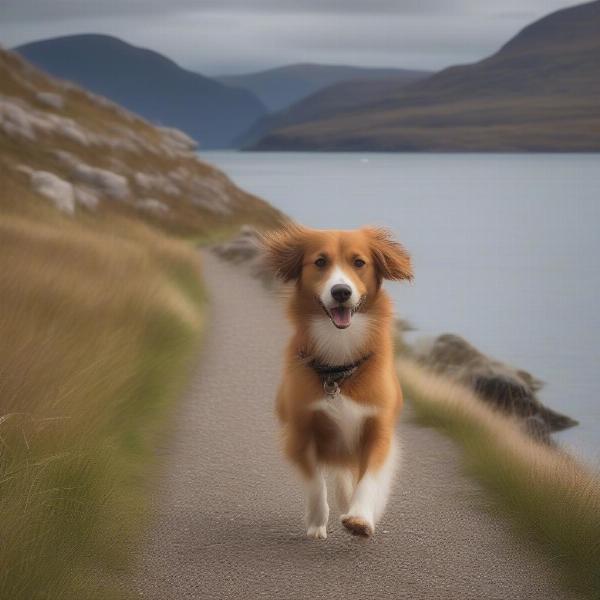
[(391, 260), (284, 251)]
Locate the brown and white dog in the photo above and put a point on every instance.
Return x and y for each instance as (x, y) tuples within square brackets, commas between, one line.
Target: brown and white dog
[(340, 396)]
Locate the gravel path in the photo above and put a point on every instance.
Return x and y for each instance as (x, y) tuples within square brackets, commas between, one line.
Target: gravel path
[(229, 511)]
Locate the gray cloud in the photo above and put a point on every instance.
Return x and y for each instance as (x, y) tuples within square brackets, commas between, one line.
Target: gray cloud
[(34, 10), (214, 36)]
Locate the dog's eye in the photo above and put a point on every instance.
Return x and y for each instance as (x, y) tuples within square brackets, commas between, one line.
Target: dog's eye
[(320, 262), (359, 262)]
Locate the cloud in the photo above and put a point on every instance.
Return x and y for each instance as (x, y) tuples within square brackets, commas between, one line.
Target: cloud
[(227, 36), (34, 10)]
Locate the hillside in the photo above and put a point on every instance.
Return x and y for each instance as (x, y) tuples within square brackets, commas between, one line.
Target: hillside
[(280, 87), (68, 149), (149, 84), (539, 92)]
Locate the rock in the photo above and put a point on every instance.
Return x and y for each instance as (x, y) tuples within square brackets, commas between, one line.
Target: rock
[(50, 99), (106, 182), (19, 119), (177, 141), (59, 191), (153, 206), (27, 170), (69, 129), (157, 183), (246, 248), (15, 120), (511, 390), (242, 248), (537, 428), (86, 197)]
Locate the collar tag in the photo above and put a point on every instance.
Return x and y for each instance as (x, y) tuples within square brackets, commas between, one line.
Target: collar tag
[(331, 388)]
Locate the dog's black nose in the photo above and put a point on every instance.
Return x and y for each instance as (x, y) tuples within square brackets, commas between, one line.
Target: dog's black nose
[(341, 292)]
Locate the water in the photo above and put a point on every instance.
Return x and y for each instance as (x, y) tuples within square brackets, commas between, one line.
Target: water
[(505, 248)]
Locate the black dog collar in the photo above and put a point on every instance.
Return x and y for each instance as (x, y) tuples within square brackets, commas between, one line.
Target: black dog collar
[(332, 376)]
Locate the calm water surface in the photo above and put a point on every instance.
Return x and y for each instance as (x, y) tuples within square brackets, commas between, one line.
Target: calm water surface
[(506, 251)]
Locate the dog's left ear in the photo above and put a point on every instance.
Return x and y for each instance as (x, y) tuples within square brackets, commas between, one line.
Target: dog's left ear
[(284, 251), (391, 260)]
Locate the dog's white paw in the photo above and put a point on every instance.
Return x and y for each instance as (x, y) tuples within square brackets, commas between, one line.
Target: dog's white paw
[(358, 525), (317, 532)]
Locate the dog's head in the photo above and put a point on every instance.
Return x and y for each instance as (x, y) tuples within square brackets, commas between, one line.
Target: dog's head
[(338, 272)]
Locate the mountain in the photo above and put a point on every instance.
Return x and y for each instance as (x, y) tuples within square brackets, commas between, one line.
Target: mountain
[(279, 88), (149, 84), (539, 92), (331, 101)]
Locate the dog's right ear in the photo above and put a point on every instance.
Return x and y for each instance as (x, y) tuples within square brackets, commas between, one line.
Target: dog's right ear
[(284, 251)]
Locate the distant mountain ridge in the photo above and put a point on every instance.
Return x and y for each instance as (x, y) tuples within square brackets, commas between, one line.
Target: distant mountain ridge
[(150, 84), (331, 101), (539, 92), (280, 87)]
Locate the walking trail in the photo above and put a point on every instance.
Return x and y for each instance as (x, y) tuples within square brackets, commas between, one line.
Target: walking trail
[(229, 510)]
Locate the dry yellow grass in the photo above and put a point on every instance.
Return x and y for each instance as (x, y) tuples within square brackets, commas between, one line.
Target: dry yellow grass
[(100, 310), (96, 325), (548, 494)]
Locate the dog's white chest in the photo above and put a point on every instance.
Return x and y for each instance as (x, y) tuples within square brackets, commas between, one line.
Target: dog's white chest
[(349, 416)]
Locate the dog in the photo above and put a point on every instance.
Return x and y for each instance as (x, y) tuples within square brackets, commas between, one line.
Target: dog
[(339, 397)]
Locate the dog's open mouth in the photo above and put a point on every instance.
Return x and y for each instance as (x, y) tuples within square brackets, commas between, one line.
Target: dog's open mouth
[(341, 316)]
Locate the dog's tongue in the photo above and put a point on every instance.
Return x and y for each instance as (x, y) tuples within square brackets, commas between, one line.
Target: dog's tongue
[(341, 316)]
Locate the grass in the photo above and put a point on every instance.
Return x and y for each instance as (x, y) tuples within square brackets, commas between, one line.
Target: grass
[(100, 313), (547, 493), (97, 325)]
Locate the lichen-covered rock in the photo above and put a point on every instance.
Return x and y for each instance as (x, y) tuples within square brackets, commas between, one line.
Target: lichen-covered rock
[(153, 206), (156, 183), (15, 121), (106, 182), (57, 190), (511, 390), (86, 197)]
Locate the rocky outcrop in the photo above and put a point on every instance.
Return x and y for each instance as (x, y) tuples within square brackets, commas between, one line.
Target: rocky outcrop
[(245, 248), (57, 190), (510, 390), (85, 156), (108, 183)]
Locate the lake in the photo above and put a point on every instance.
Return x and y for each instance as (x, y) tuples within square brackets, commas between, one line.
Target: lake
[(506, 251)]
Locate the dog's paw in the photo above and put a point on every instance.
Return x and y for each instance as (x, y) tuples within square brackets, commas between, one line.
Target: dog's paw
[(357, 525), (317, 532)]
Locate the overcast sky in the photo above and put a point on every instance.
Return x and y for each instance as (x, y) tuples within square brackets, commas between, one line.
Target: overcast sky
[(230, 36)]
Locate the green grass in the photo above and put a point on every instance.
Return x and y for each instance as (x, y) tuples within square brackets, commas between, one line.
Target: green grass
[(548, 495), (97, 329)]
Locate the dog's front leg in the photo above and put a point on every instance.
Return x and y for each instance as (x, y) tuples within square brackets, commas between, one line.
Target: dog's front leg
[(377, 469), (317, 509)]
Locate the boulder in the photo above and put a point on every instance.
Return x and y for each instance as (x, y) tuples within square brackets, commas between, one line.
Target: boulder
[(246, 248), (152, 205), (106, 182), (511, 390), (57, 190)]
